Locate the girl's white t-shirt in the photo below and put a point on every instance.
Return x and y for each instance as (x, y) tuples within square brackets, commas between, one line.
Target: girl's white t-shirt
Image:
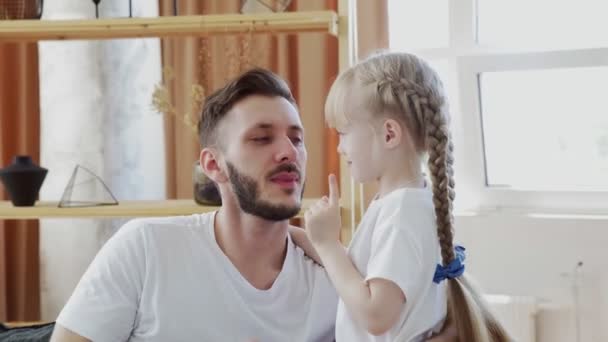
[(397, 240)]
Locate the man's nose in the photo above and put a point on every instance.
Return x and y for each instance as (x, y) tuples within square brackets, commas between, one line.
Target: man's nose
[(287, 151)]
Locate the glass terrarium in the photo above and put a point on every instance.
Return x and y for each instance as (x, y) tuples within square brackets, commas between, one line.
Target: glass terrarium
[(261, 6)]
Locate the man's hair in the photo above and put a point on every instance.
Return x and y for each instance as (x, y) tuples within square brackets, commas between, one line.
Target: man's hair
[(256, 81)]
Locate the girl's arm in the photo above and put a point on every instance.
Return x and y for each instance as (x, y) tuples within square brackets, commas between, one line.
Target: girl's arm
[(375, 304)]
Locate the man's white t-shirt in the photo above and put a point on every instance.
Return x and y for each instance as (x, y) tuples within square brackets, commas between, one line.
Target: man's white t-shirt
[(397, 240), (166, 279)]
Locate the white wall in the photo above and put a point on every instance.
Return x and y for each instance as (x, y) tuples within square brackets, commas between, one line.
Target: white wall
[(518, 254), (95, 111)]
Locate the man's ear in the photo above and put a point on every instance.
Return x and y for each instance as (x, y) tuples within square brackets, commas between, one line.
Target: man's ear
[(211, 165), (392, 133)]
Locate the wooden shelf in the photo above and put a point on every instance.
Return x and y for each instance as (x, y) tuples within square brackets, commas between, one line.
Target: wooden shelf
[(199, 25), (124, 209)]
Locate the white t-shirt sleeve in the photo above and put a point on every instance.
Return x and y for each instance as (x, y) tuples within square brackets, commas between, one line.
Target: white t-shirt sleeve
[(396, 255), (104, 304)]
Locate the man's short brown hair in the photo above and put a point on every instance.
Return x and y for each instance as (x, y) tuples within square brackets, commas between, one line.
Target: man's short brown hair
[(256, 81)]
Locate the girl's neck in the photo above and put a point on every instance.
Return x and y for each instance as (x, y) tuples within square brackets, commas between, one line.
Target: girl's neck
[(400, 175)]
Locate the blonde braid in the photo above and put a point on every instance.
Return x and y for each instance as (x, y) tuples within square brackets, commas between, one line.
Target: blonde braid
[(427, 112), (440, 163)]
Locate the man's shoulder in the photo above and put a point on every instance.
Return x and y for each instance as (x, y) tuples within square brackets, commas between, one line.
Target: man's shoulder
[(170, 221), (306, 265), (155, 226)]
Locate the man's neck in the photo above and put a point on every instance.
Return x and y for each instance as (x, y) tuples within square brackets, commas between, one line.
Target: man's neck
[(255, 246)]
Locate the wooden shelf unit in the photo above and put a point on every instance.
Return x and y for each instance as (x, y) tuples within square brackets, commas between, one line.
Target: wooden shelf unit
[(194, 25), (341, 24)]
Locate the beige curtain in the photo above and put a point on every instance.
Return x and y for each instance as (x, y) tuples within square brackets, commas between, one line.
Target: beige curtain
[(372, 22), (308, 61), (19, 134)]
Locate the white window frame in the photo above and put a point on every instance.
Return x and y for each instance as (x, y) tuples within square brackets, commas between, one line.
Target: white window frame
[(466, 61)]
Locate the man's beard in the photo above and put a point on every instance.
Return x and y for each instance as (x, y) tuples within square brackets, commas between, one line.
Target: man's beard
[(247, 193)]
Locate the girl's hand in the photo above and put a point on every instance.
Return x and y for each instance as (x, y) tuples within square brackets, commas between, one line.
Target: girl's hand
[(322, 219), (298, 235)]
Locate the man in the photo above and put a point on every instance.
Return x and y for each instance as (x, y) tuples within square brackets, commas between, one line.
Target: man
[(230, 275)]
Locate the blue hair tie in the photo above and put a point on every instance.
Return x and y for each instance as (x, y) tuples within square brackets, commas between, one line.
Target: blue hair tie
[(454, 269)]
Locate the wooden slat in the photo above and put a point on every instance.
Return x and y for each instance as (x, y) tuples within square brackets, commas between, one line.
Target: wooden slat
[(347, 56), (124, 209), (199, 25), (24, 324)]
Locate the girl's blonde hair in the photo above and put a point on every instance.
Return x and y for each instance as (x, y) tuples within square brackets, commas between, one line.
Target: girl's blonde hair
[(404, 87)]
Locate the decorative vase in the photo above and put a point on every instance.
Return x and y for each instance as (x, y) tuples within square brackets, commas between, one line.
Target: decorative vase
[(21, 9), (205, 191), (22, 180)]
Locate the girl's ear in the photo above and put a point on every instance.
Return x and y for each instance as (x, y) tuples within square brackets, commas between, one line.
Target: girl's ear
[(392, 133)]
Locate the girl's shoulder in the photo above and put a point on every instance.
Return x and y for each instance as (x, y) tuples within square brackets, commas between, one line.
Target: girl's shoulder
[(407, 209), (406, 199)]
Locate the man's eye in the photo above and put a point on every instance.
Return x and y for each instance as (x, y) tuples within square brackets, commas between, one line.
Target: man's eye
[(261, 139), (296, 140)]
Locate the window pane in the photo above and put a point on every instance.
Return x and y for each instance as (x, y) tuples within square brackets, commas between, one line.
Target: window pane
[(546, 129), (418, 24), (543, 23), (442, 68)]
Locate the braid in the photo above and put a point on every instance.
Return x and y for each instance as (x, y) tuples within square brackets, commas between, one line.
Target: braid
[(427, 113), (440, 164)]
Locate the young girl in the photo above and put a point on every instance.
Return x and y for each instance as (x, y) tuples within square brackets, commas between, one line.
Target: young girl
[(401, 271)]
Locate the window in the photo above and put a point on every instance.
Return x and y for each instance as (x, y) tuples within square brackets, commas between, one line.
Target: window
[(542, 23), (420, 24), (562, 130), (527, 97)]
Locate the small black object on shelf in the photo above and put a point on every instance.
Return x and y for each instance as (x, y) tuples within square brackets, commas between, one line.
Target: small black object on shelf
[(175, 7), (96, 2), (22, 180), (130, 9)]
